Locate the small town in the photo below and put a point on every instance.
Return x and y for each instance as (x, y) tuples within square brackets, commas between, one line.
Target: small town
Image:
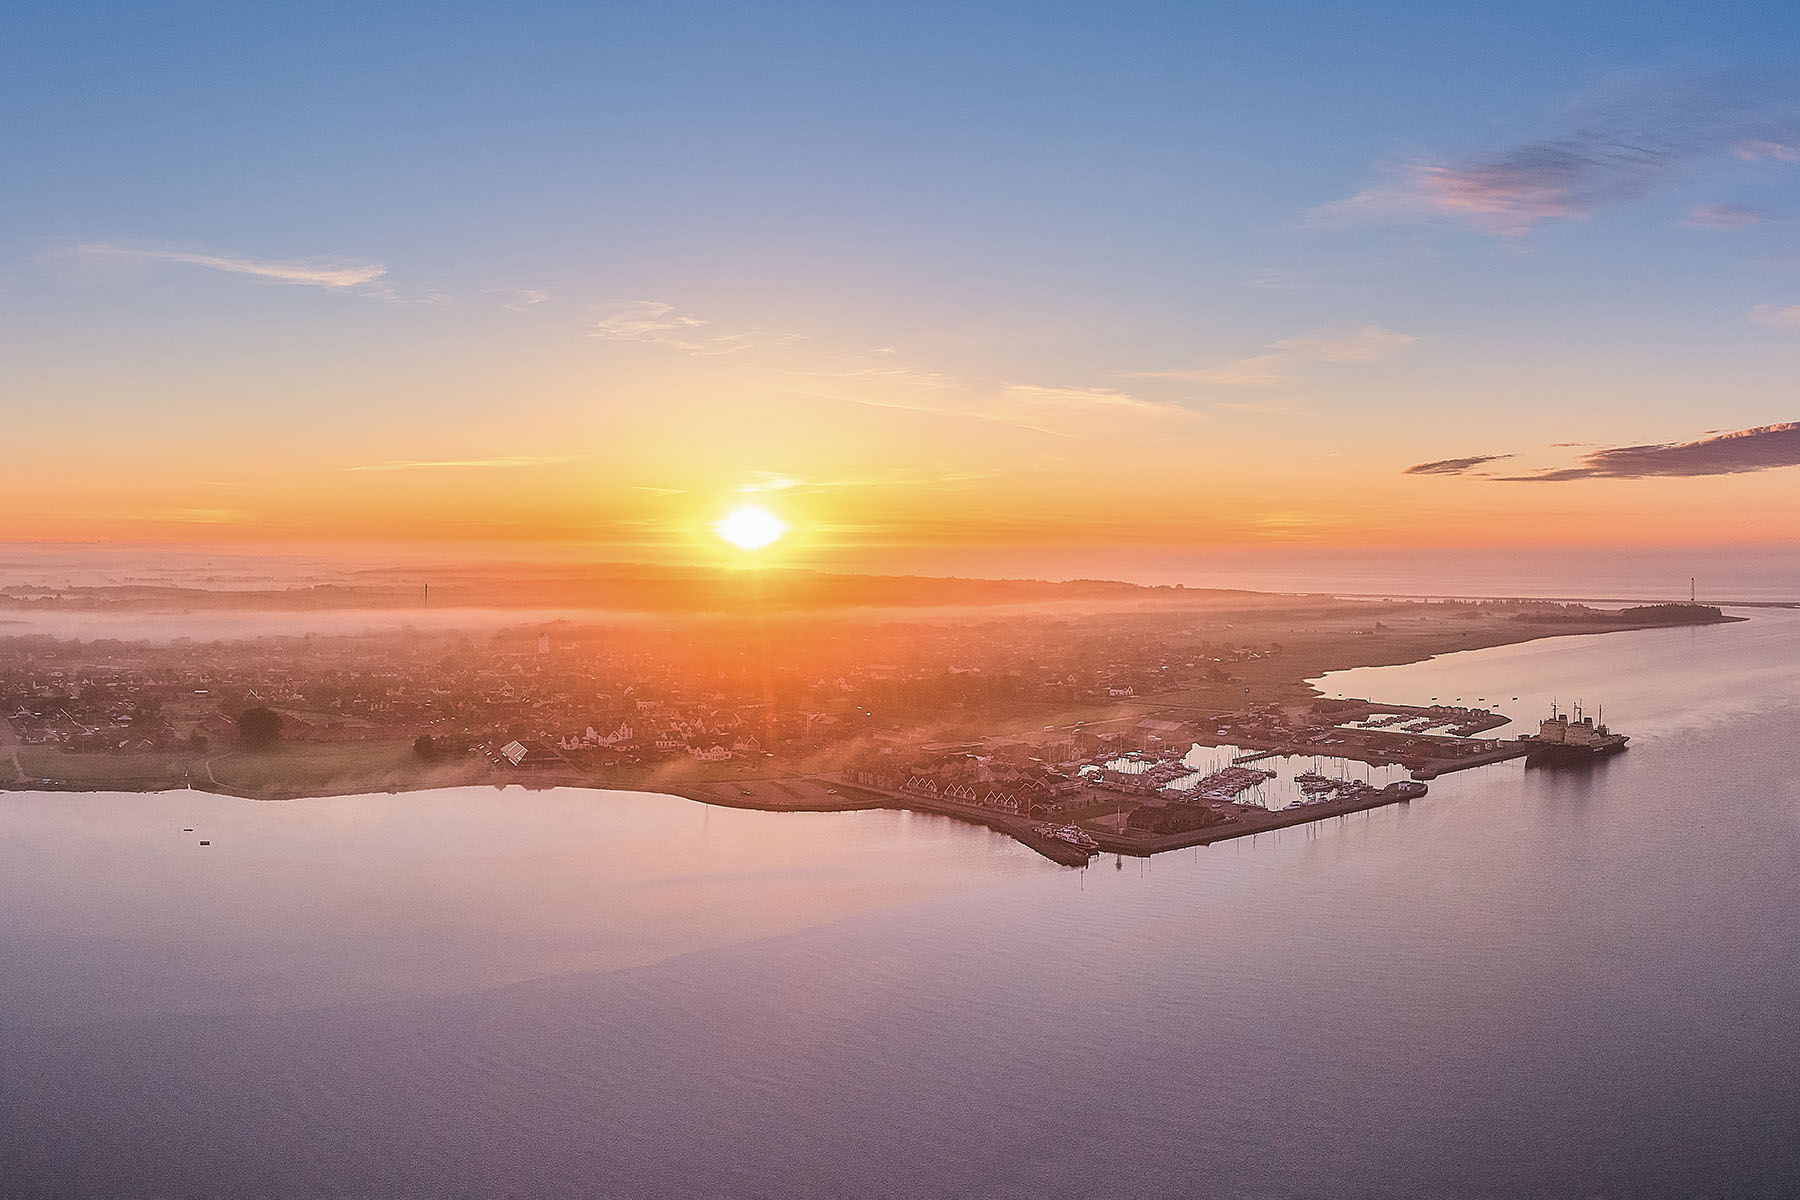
[(1133, 732)]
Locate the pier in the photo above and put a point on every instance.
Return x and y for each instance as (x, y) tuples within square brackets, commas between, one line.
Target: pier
[(1504, 752), (1239, 821), (1248, 821)]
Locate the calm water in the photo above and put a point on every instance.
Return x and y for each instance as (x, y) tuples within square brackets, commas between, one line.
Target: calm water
[(1527, 983)]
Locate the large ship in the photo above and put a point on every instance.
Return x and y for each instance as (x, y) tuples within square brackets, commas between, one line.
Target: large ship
[(1564, 739)]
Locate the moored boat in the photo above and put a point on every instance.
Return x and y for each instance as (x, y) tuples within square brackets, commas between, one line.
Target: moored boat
[(1562, 739)]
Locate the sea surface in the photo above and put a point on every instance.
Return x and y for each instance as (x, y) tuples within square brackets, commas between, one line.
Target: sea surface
[(1530, 982)]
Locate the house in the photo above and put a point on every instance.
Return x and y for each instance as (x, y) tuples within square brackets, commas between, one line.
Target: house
[(1171, 818), (1001, 800), (524, 755)]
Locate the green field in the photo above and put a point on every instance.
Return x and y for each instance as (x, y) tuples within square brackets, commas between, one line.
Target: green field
[(336, 768), (143, 772)]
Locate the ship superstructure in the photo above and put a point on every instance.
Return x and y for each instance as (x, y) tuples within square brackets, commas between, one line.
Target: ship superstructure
[(1562, 738)]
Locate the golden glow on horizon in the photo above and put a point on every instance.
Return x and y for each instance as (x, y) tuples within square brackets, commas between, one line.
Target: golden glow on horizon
[(882, 485), (750, 527)]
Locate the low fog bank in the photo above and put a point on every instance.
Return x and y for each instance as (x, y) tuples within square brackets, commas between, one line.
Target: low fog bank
[(565, 577), (135, 625), (475, 598), (160, 627)]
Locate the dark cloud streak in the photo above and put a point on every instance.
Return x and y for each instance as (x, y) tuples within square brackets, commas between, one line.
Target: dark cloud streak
[(1764, 448), (1620, 144), (1453, 466)]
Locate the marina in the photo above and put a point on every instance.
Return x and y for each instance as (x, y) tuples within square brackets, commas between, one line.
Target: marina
[(1284, 769)]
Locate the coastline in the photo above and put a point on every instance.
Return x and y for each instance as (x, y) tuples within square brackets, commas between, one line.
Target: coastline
[(852, 797), (798, 791)]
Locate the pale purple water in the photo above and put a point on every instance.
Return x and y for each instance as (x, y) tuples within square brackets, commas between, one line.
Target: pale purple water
[(1527, 983)]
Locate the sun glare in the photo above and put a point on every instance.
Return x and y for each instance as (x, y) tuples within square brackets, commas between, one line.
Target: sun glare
[(750, 528)]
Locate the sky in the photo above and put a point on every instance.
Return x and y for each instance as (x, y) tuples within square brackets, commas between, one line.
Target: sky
[(1063, 289)]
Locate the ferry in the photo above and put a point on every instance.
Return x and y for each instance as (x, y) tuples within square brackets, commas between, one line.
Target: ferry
[(1562, 739), (1075, 837)]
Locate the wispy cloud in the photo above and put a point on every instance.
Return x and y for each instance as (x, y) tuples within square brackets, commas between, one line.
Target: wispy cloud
[(769, 481), (1338, 343), (1755, 149), (897, 374), (518, 299), (1267, 408), (657, 323), (1723, 216), (1258, 370), (185, 516), (645, 321), (1454, 466), (1062, 412), (1763, 448), (1776, 315), (1621, 143), (1281, 279), (913, 477), (1345, 342), (1058, 410), (1047, 404), (334, 273), (441, 464)]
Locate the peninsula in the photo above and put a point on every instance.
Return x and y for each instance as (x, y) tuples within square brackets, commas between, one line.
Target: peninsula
[(1066, 715)]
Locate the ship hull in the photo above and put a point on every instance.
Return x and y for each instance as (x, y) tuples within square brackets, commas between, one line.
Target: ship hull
[(1551, 754)]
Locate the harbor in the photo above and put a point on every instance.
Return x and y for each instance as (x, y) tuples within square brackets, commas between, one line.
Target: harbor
[(1074, 843), (1256, 772)]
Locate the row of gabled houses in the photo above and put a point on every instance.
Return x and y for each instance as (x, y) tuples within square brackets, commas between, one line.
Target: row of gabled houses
[(978, 781), (694, 740)]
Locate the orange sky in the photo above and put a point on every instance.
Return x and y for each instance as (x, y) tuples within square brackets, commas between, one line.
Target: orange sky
[(636, 457)]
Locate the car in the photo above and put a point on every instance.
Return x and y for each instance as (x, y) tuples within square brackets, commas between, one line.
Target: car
[(831, 791)]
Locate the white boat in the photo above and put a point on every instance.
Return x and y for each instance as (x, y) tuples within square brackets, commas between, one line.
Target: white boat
[(1075, 837)]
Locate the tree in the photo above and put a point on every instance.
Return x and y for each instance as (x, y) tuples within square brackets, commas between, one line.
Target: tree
[(425, 746), (259, 727)]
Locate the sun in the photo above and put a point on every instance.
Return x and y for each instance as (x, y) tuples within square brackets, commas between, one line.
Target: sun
[(750, 528)]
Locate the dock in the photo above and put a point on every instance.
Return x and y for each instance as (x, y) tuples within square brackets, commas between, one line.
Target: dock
[(1244, 822), (1249, 821), (1504, 752)]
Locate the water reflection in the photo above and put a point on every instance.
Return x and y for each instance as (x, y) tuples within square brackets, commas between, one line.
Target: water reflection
[(1527, 983), (113, 909), (1651, 682), (1284, 790)]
